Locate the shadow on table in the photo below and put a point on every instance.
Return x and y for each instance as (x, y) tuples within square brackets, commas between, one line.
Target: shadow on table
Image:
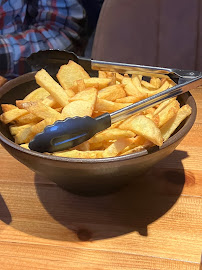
[(131, 209), (5, 215)]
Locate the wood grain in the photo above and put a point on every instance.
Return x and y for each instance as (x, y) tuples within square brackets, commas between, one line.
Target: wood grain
[(152, 224)]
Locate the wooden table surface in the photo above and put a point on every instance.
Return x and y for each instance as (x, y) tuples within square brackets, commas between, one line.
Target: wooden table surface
[(153, 224)]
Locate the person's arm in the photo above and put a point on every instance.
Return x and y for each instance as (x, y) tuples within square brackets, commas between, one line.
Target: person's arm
[(55, 27)]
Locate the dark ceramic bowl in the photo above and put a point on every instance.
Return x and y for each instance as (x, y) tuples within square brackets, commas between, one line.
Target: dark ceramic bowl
[(87, 176)]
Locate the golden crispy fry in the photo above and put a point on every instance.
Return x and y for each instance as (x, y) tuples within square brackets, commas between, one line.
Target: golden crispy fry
[(7, 107), (111, 134), (112, 92), (80, 85), (24, 136), (173, 123), (90, 94), (148, 85), (132, 90), (126, 80), (163, 105), (117, 147), (50, 101), (96, 146), (119, 77), (150, 111), (79, 154), (70, 73), (137, 83), (112, 76), (168, 112), (133, 150), (137, 141), (128, 99), (78, 108), (15, 129), (70, 93), (27, 119), (164, 86), (102, 82), (38, 108), (85, 146), (145, 127), (25, 145), (11, 115), (156, 82), (38, 94), (102, 74), (48, 83), (109, 106)]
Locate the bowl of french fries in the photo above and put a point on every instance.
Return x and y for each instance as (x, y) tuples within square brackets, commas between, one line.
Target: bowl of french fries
[(110, 159)]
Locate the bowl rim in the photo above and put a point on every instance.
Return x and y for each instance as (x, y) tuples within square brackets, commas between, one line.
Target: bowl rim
[(174, 138)]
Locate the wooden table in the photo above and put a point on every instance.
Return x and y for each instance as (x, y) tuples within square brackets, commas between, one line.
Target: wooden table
[(153, 224)]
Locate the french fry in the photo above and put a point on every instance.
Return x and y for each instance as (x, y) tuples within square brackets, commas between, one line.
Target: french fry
[(79, 154), (27, 119), (112, 76), (173, 123), (132, 150), (24, 136), (7, 107), (70, 93), (109, 106), (111, 134), (163, 105), (137, 84), (137, 142), (78, 108), (15, 129), (25, 145), (163, 87), (85, 146), (148, 85), (112, 92), (50, 101), (102, 74), (49, 84), (145, 127), (38, 94), (101, 82), (38, 108), (168, 112), (90, 94), (12, 115), (128, 99), (132, 90), (156, 82), (119, 77), (80, 85), (117, 147), (70, 73)]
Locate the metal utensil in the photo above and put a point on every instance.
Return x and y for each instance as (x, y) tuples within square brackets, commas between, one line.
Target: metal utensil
[(73, 131)]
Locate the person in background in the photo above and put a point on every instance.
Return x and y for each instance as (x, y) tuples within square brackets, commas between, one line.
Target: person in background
[(29, 26), (92, 8)]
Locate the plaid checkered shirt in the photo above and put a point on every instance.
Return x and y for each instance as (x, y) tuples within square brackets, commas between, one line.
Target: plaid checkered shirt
[(27, 26)]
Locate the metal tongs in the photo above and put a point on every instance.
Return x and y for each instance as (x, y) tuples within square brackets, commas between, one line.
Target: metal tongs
[(70, 132)]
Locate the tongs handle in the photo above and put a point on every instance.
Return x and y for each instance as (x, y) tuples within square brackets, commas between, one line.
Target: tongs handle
[(155, 99)]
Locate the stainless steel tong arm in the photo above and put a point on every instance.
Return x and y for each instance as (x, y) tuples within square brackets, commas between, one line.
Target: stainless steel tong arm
[(155, 99), (147, 70)]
